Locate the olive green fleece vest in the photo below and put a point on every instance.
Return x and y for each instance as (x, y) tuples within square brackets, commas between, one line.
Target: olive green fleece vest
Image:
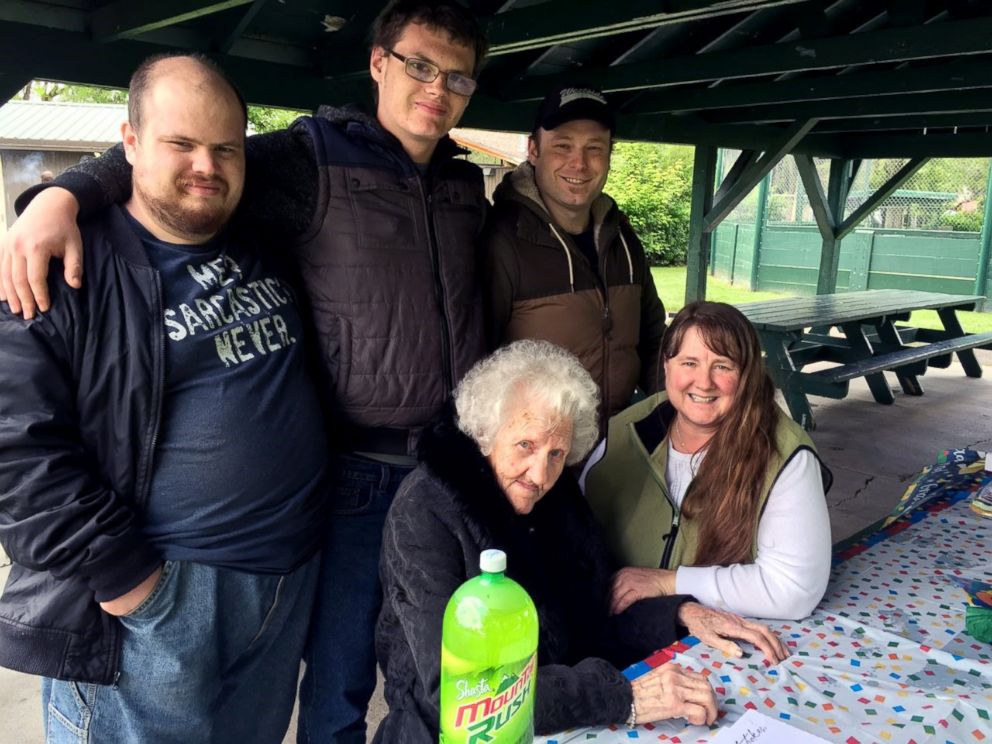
[(629, 495)]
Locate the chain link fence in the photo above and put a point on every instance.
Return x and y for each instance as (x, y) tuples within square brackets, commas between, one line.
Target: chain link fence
[(945, 194)]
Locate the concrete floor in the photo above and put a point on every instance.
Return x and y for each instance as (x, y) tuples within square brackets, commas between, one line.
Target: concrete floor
[(873, 451)]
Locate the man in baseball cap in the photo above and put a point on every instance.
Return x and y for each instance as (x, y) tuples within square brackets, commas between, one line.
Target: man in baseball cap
[(562, 263)]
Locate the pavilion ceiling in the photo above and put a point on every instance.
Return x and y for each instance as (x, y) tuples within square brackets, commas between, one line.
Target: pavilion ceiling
[(839, 78)]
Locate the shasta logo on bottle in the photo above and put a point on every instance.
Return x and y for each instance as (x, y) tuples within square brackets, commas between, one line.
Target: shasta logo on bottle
[(485, 716)]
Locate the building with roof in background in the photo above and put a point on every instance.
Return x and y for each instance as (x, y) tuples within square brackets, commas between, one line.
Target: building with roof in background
[(40, 136)]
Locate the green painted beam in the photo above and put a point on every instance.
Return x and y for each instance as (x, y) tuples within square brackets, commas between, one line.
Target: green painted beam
[(960, 74), (126, 19), (759, 228), (239, 28), (744, 160), (346, 52), (826, 280), (985, 249), (486, 112), (546, 24), (569, 21), (757, 170), (47, 15), (701, 202), (966, 145), (883, 106), (906, 122), (60, 55), (936, 40), (691, 130), (881, 194), (825, 220), (853, 173)]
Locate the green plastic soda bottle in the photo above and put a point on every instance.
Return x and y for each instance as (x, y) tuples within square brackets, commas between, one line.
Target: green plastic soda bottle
[(489, 659)]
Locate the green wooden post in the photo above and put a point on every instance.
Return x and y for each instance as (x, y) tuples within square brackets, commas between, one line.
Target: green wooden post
[(759, 227), (733, 252), (984, 266), (826, 281), (698, 249), (717, 179)]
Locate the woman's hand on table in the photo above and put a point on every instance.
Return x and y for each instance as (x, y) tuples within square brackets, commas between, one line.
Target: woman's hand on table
[(669, 691), (634, 584), (717, 629)]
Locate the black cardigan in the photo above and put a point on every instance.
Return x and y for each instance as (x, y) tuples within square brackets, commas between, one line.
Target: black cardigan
[(448, 511)]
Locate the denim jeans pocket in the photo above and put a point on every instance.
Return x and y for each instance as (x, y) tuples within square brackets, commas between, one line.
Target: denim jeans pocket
[(70, 710), (160, 596), (353, 489)]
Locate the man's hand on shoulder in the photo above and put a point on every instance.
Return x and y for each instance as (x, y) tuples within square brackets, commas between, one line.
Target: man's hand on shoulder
[(47, 229)]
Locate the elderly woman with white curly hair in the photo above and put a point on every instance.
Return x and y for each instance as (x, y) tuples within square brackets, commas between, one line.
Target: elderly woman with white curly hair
[(492, 475)]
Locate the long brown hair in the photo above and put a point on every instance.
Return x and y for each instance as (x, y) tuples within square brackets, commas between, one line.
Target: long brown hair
[(724, 495)]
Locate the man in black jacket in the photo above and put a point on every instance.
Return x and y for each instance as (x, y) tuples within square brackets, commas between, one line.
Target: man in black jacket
[(161, 588), (382, 222)]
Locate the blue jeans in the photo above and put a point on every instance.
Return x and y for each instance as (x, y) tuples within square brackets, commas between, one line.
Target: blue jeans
[(340, 672), (212, 655)]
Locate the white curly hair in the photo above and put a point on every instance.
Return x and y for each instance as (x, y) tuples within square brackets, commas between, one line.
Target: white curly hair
[(542, 372)]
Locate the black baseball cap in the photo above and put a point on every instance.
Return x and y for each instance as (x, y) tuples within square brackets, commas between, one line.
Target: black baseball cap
[(572, 102)]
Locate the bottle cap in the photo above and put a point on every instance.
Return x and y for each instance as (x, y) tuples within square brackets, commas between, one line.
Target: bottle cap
[(492, 561)]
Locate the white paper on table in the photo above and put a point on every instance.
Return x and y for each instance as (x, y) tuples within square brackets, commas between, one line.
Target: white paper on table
[(757, 728)]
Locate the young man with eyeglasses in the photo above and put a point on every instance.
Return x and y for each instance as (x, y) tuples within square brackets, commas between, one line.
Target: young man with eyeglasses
[(382, 221)]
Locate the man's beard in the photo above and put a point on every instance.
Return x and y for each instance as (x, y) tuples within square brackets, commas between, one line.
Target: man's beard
[(179, 219)]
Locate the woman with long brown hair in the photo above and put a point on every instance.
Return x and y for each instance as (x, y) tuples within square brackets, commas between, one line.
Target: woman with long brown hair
[(709, 489)]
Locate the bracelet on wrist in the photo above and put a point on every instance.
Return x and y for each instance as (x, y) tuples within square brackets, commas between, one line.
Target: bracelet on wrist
[(632, 718)]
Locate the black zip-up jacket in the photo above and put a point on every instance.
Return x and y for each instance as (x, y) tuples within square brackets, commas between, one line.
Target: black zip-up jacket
[(387, 258), (83, 388), (445, 514)]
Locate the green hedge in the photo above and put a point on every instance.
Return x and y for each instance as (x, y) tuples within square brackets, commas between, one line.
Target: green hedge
[(653, 186)]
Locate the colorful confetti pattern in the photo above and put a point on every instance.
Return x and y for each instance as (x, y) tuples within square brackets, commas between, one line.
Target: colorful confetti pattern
[(884, 658)]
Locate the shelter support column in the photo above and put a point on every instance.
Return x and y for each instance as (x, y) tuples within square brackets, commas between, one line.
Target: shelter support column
[(709, 209), (983, 276), (759, 228), (829, 209), (837, 190), (698, 250)]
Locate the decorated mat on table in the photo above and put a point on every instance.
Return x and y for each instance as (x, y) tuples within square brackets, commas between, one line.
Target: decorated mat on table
[(884, 658)]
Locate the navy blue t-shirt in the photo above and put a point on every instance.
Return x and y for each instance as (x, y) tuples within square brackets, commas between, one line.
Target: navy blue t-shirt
[(240, 454)]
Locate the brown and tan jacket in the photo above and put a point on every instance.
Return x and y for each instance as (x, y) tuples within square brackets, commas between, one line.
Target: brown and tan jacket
[(539, 285)]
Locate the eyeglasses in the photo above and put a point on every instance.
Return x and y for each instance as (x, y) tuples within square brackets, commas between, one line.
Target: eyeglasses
[(427, 72)]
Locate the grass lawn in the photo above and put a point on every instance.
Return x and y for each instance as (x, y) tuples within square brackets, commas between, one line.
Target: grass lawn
[(670, 281)]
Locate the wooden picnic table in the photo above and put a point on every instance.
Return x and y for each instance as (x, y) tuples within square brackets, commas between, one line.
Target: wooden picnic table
[(796, 331)]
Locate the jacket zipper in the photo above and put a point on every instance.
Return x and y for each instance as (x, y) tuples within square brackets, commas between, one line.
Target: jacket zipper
[(158, 393), (670, 540), (447, 362), (141, 490), (607, 328)]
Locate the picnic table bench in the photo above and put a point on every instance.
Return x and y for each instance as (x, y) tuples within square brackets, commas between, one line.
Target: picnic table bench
[(796, 331)]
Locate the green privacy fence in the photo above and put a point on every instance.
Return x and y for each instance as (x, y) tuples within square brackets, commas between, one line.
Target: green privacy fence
[(788, 258), (934, 234)]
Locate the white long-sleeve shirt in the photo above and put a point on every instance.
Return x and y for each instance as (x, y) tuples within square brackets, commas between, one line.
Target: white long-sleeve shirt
[(792, 562)]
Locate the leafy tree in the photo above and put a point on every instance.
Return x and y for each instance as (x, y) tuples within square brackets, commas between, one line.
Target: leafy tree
[(653, 184), (263, 120), (963, 222), (47, 90), (91, 94), (260, 119)]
